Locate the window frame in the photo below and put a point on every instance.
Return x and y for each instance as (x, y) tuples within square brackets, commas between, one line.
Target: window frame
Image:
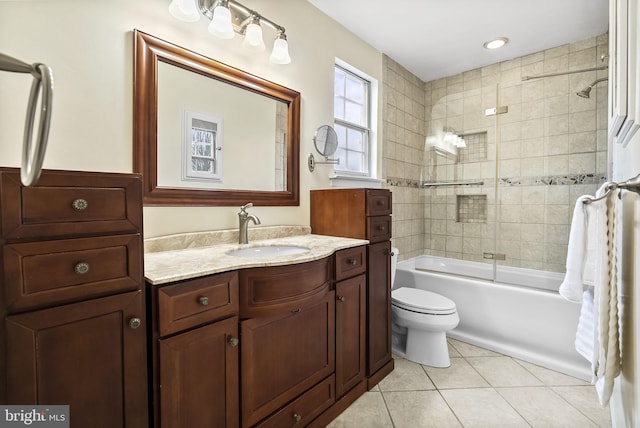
[(369, 131)]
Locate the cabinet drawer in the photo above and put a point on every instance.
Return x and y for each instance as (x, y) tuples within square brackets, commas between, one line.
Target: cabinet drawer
[(350, 262), (379, 228), (303, 410), (68, 203), (196, 302), (272, 290), (39, 274), (378, 202)]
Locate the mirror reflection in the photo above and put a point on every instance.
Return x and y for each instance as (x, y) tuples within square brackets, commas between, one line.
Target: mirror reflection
[(225, 137)]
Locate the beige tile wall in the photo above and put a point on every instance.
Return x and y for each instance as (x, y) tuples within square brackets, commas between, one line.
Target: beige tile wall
[(552, 149)]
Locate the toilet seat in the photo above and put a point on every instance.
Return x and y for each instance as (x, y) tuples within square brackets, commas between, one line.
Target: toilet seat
[(422, 301)]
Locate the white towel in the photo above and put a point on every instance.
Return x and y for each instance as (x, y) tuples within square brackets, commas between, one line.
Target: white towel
[(573, 284), (597, 336)]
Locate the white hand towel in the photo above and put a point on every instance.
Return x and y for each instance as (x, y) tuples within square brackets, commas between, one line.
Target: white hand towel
[(585, 334), (572, 285)]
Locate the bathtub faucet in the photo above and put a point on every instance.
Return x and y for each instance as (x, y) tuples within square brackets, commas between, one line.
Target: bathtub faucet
[(244, 218)]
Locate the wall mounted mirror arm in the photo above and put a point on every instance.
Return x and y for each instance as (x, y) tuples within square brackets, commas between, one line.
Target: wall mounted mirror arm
[(325, 141)]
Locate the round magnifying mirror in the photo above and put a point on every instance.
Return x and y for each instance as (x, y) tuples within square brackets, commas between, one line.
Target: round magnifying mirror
[(326, 140)]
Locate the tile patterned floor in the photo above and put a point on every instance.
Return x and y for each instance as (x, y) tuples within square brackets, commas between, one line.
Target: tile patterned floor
[(480, 389)]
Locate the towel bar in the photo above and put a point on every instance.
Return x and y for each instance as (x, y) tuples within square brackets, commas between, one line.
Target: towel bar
[(633, 185)]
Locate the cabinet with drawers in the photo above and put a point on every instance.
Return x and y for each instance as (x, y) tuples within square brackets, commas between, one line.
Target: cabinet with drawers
[(194, 341), (270, 346), (72, 300), (364, 214)]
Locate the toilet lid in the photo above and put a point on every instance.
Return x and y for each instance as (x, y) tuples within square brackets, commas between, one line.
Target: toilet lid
[(424, 301)]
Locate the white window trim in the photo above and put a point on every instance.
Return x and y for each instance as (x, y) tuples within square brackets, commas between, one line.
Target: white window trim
[(372, 178)]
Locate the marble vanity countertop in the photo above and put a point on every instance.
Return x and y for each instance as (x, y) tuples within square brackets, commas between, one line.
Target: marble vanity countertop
[(185, 262)]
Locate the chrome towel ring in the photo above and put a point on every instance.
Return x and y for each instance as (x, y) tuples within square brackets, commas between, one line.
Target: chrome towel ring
[(33, 151)]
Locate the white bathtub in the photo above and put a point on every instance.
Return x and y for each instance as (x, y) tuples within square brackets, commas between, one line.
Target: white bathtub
[(529, 321)]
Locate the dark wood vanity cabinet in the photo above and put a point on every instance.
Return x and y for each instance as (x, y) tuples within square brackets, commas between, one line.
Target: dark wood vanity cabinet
[(195, 352), (73, 301), (288, 343), (273, 346), (351, 290), (364, 214)]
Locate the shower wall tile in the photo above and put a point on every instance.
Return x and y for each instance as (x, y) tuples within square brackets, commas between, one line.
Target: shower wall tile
[(552, 149)]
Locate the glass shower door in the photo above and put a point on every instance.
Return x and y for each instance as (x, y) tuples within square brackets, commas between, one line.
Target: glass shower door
[(460, 175)]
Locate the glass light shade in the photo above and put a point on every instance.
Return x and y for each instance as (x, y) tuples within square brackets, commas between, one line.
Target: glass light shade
[(184, 10), (253, 38), (220, 25), (280, 52)]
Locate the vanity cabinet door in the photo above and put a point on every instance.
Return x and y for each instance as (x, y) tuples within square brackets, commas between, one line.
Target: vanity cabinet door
[(379, 306), (350, 333), (199, 377), (89, 355), (284, 355)]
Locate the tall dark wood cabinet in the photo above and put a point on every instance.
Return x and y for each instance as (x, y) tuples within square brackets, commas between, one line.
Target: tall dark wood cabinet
[(364, 214), (72, 302)]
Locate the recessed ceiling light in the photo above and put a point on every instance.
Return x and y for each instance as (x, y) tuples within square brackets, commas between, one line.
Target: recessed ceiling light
[(496, 43)]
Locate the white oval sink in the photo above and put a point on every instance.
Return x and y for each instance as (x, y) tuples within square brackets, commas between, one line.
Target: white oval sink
[(269, 251)]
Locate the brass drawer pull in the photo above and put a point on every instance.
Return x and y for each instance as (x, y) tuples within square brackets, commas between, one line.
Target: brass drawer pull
[(381, 228), (295, 311), (135, 323), (80, 204), (341, 298), (81, 268), (204, 300), (352, 262), (297, 417), (233, 341)]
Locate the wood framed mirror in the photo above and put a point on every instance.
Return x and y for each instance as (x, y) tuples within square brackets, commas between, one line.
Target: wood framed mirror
[(204, 132)]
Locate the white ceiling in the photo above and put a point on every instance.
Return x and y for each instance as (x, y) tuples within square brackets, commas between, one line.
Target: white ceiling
[(437, 38)]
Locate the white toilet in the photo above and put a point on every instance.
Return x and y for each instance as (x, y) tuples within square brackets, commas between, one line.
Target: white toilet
[(426, 317)]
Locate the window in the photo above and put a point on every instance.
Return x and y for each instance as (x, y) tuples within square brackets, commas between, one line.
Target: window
[(352, 121), (202, 147)]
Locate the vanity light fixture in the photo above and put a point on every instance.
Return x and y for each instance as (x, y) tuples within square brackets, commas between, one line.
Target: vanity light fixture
[(184, 10), (253, 35), (496, 43), (229, 17)]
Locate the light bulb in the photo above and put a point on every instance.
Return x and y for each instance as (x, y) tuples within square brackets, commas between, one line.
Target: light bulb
[(184, 10), (280, 52), (253, 38), (220, 25)]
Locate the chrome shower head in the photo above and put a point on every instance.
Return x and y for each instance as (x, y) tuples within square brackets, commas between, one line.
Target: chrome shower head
[(585, 93)]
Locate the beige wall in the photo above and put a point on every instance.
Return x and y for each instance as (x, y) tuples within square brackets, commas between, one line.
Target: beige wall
[(89, 45)]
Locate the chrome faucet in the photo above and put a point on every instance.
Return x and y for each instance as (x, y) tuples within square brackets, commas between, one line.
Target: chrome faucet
[(244, 218)]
